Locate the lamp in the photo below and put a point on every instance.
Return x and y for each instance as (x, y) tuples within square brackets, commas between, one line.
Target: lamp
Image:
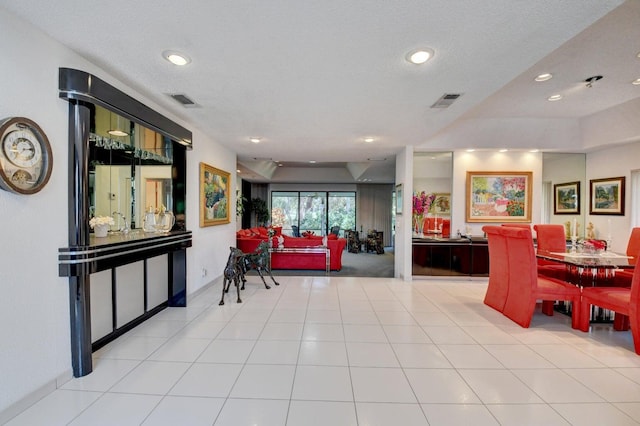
[(117, 129)]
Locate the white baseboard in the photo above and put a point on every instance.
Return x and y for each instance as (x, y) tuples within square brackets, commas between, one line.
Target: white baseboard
[(28, 400)]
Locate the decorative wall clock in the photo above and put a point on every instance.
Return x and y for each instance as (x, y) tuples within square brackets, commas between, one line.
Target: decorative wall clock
[(25, 156)]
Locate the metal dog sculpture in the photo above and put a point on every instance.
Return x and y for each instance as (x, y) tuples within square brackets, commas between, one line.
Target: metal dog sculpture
[(233, 272), (258, 261)]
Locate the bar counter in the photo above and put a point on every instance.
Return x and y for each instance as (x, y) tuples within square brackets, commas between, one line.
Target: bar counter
[(116, 249), (117, 282)]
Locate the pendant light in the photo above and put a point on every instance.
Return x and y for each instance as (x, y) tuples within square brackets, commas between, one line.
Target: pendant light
[(117, 126)]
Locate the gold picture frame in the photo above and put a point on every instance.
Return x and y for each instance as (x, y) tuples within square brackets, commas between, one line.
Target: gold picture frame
[(214, 196), (606, 196), (441, 204), (498, 196)]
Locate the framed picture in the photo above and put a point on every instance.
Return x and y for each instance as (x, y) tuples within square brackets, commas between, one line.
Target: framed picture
[(607, 196), (214, 196), (441, 204), (399, 199), (566, 199), (498, 196)]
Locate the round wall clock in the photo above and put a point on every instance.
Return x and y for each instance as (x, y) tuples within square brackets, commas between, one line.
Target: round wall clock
[(25, 156)]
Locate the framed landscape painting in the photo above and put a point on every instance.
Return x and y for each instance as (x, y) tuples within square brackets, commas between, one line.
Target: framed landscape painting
[(607, 196), (566, 199), (214, 196), (399, 199), (498, 196)]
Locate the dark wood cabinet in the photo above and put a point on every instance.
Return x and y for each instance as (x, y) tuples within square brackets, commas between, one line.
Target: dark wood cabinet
[(450, 257)]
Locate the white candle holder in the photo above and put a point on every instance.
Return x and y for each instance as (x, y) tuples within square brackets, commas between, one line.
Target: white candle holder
[(574, 241)]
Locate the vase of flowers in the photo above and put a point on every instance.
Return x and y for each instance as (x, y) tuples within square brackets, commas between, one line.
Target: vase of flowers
[(100, 225), (421, 205)]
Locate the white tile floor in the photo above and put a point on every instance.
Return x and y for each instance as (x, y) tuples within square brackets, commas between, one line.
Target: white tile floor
[(352, 351)]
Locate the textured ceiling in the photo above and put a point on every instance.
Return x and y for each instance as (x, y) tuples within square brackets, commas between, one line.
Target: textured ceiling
[(313, 79)]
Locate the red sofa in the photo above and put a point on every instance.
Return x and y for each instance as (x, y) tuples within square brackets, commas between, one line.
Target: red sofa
[(248, 240)]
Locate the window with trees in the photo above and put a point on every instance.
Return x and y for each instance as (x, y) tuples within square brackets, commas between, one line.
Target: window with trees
[(316, 211)]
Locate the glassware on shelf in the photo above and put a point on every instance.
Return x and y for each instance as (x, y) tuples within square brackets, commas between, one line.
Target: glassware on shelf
[(165, 221), (149, 222)]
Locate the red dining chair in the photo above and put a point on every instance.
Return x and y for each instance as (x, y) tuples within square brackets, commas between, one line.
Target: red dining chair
[(623, 277), (551, 238), (623, 301), (526, 287), (518, 225), (498, 287)]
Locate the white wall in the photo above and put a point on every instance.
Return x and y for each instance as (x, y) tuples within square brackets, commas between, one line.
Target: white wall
[(565, 168), (487, 161), (34, 308), (404, 176), (608, 163), (310, 187)]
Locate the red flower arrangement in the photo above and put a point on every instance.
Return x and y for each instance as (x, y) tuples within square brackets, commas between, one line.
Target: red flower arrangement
[(594, 245), (422, 203)]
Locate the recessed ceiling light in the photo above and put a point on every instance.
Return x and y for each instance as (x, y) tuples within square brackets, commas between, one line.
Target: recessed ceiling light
[(544, 77), (636, 82), (553, 98), (534, 150), (238, 171), (503, 150), (312, 161), (470, 150), (638, 55), (176, 58), (368, 140), (255, 140), (420, 56)]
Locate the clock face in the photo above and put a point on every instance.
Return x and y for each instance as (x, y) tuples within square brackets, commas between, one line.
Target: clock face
[(25, 156)]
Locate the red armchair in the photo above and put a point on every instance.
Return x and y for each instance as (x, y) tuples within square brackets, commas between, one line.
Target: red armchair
[(498, 287), (623, 278), (624, 302), (526, 287)]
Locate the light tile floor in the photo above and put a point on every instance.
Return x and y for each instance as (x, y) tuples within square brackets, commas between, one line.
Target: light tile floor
[(352, 351)]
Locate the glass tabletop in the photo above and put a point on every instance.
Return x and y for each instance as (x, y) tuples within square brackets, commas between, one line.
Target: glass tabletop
[(604, 259)]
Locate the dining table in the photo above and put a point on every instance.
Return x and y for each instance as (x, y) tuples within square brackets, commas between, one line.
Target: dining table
[(591, 269), (588, 269)]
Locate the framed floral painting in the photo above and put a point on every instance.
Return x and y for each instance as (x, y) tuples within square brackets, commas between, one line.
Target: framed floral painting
[(498, 196), (441, 204), (214, 196)]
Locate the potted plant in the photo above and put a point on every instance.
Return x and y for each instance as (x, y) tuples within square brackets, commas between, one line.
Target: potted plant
[(260, 210), (241, 201)]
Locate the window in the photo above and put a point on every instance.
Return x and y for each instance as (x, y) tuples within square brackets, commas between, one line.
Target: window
[(342, 210), (313, 212), (284, 210), (317, 211)]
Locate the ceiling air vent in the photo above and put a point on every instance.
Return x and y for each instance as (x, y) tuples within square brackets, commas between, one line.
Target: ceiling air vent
[(183, 99), (446, 100)]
